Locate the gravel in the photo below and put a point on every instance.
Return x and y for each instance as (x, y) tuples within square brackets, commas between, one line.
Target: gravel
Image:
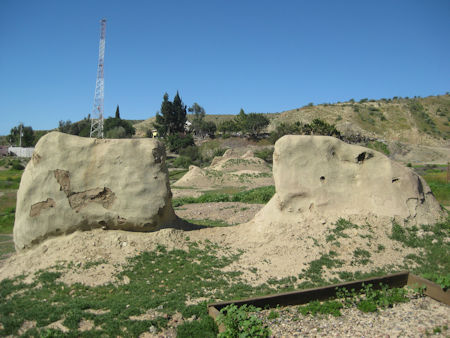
[(418, 318)]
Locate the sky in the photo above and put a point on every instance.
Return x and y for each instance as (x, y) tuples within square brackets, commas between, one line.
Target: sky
[(262, 56)]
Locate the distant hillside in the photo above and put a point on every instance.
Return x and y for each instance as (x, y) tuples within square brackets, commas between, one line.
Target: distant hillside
[(422, 121), (142, 127)]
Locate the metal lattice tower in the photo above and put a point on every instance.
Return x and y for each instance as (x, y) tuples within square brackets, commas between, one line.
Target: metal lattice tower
[(97, 112)]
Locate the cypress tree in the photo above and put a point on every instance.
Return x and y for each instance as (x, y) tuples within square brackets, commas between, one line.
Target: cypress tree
[(117, 112)]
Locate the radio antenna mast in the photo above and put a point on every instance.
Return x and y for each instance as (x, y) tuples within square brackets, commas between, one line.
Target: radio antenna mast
[(97, 112)]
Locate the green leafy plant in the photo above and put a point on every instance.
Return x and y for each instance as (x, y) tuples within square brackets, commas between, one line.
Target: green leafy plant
[(369, 299), (273, 315), (443, 280), (265, 154), (239, 323), (313, 308)]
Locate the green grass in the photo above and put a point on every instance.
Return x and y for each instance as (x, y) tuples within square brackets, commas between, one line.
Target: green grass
[(434, 261), (175, 175), (227, 190), (313, 275), (437, 180), (161, 279), (7, 217), (314, 308), (260, 195), (6, 246), (379, 146), (209, 222), (10, 179), (340, 226), (360, 257)]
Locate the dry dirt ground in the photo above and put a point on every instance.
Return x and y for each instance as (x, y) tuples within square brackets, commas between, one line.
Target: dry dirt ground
[(269, 252)]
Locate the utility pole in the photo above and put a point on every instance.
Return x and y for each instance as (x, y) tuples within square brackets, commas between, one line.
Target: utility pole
[(97, 113)]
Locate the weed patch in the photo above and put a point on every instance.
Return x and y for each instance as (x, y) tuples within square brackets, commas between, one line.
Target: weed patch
[(331, 307), (10, 179), (239, 323), (7, 217), (258, 195), (313, 274), (360, 257), (342, 225), (162, 280), (434, 261)]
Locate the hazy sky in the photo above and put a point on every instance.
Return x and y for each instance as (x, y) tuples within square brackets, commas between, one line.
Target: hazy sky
[(263, 56)]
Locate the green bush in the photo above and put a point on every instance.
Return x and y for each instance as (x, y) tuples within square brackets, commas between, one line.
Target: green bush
[(265, 154), (182, 162), (117, 128), (176, 142), (193, 152), (316, 127), (379, 146), (17, 165), (204, 326)]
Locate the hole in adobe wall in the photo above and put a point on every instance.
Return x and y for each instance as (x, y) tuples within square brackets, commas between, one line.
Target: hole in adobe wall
[(361, 157), (322, 178), (395, 179)]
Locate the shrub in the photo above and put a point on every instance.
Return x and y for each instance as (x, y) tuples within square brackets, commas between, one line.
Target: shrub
[(191, 152), (284, 129), (265, 154), (176, 142), (239, 323), (182, 162), (379, 146), (116, 132), (118, 127), (219, 152), (17, 165)]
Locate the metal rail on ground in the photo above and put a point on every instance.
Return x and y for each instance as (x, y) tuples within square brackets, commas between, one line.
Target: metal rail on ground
[(400, 279)]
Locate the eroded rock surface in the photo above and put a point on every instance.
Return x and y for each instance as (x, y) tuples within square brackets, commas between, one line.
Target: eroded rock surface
[(80, 183), (325, 177)]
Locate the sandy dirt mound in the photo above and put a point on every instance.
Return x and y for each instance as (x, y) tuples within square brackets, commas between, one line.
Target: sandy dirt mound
[(270, 252), (230, 170)]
